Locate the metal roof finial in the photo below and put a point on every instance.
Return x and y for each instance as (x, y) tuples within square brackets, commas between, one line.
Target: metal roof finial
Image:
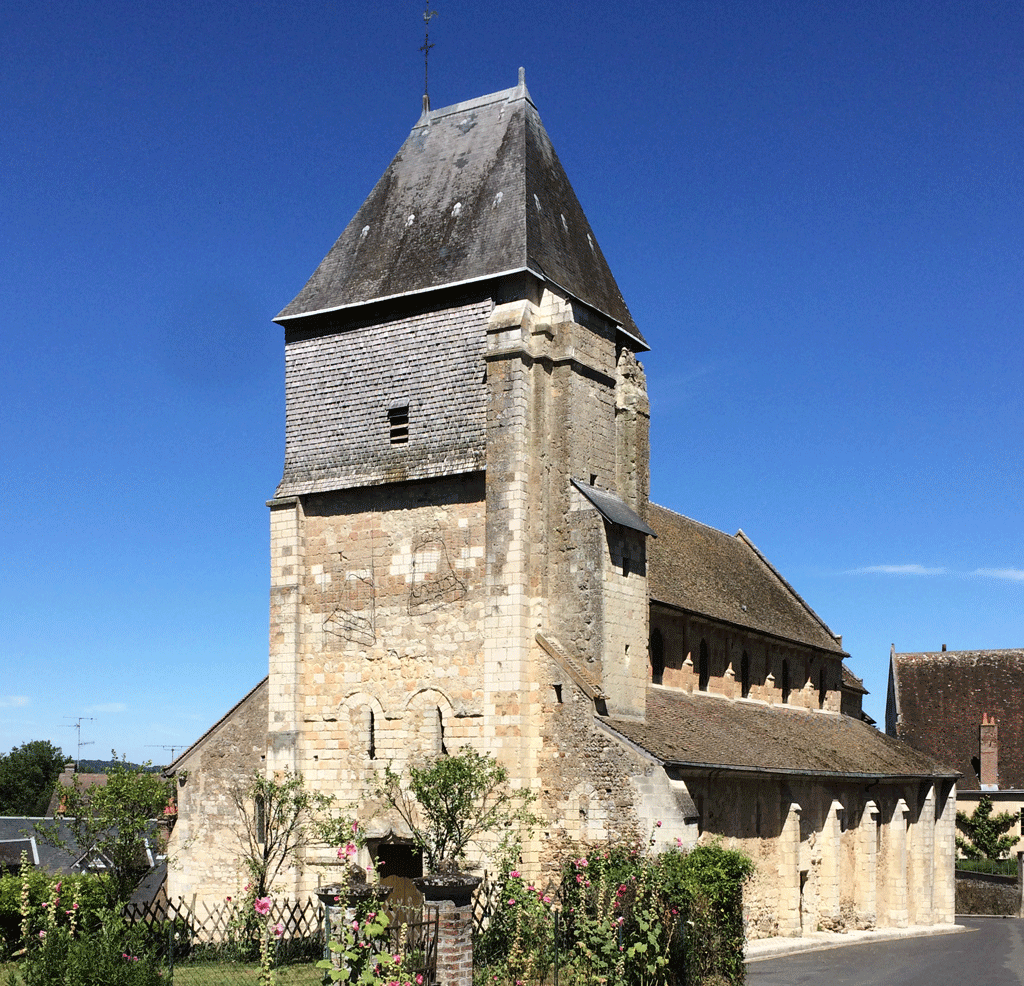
[(428, 16)]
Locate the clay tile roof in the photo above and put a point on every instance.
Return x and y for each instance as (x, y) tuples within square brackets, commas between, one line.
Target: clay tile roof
[(705, 571), (938, 699), (852, 683), (476, 191), (712, 732)]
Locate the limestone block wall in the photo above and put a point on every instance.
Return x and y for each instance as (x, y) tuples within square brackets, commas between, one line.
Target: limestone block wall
[(380, 634), (828, 857), (205, 848), (729, 649)]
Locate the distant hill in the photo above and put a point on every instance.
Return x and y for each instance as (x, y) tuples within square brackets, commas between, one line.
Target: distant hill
[(103, 766)]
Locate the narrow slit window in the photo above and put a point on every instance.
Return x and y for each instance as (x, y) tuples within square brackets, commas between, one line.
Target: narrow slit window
[(372, 745), (398, 424)]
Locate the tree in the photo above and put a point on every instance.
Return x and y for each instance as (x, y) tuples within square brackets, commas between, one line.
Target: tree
[(27, 778), (115, 821), (280, 818), (985, 832), (454, 800)]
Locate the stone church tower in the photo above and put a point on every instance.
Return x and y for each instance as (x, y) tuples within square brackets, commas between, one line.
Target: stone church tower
[(458, 543)]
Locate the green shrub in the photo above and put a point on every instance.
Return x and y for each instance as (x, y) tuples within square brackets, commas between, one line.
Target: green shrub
[(85, 889), (628, 919), (113, 955)]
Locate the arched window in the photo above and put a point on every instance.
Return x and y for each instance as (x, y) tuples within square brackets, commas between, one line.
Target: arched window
[(703, 669), (657, 657), (785, 681), (745, 675)]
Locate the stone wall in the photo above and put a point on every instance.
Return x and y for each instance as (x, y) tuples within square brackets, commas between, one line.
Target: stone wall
[(830, 856), (814, 678), (205, 849)]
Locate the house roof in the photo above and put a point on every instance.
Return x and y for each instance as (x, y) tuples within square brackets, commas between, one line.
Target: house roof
[(702, 570), (17, 833), (709, 732), (69, 779), (475, 192), (937, 700)]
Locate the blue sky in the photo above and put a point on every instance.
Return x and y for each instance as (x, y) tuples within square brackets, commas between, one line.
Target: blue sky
[(815, 211)]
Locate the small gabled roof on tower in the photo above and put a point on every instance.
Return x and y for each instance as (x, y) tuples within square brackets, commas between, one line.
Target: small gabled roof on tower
[(475, 192)]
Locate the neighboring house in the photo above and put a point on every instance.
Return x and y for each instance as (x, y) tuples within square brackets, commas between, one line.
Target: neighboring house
[(964, 709), (18, 835), (463, 551), (69, 779)]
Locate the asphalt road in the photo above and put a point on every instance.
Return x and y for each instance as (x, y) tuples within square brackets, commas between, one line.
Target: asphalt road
[(990, 953)]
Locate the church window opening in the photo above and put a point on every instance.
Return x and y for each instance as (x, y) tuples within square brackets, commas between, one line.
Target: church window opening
[(657, 657), (822, 690), (442, 749), (745, 675), (704, 670), (785, 682), (371, 747), (398, 424)]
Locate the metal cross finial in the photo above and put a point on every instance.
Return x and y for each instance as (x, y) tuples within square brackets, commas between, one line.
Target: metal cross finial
[(428, 16)]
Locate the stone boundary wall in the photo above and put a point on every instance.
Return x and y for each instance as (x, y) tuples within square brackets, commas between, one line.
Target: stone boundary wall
[(986, 893)]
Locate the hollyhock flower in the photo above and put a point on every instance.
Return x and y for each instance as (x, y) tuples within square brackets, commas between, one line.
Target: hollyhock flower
[(514, 874), (262, 905), (279, 929)]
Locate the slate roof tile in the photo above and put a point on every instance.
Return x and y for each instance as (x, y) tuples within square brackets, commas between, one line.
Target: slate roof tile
[(475, 191)]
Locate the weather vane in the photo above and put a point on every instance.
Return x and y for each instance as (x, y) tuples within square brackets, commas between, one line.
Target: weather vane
[(428, 16)]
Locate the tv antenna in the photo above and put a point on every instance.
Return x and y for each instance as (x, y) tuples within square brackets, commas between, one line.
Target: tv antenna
[(428, 16), (77, 725), (171, 747)]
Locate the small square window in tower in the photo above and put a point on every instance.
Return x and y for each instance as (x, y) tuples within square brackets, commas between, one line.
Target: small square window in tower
[(398, 424)]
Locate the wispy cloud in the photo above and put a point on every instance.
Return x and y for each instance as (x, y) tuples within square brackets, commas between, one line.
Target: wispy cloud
[(1010, 574), (898, 570), (108, 707), (13, 701)]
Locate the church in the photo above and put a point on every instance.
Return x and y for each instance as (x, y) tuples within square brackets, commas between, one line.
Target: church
[(463, 551)]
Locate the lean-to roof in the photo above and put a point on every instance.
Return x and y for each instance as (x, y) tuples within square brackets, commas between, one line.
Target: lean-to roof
[(708, 732)]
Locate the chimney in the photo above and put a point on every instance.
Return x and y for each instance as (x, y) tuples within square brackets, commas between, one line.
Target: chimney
[(989, 737)]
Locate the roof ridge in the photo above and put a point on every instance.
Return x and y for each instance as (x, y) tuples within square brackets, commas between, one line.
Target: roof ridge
[(796, 595), (184, 753)]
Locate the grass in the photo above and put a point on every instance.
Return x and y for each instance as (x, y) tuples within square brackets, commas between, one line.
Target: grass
[(218, 974)]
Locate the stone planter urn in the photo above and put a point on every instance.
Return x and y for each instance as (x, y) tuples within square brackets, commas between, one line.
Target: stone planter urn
[(454, 886)]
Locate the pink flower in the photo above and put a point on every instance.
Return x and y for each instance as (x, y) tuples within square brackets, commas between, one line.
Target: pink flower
[(514, 874), (511, 901), (278, 929), (262, 905), (657, 824), (42, 935), (419, 979), (355, 925)]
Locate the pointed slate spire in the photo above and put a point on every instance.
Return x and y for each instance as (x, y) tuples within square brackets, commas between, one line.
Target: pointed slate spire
[(475, 192)]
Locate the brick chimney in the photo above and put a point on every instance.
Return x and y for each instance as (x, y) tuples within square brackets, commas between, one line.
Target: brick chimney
[(989, 737)]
